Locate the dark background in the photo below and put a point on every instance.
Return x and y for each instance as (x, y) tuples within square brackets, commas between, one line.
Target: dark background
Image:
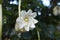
[(48, 24)]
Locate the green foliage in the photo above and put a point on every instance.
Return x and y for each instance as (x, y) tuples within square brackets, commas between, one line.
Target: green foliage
[(0, 1), (45, 24)]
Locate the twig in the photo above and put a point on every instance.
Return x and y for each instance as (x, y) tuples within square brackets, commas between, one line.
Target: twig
[(38, 35)]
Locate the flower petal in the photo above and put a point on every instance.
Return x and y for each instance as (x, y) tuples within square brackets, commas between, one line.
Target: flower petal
[(20, 22), (55, 12), (32, 25), (21, 25), (34, 21), (19, 19), (16, 27), (34, 14), (29, 11), (23, 13), (31, 14), (26, 28)]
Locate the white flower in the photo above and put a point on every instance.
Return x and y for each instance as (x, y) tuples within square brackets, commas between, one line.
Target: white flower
[(26, 21), (56, 10)]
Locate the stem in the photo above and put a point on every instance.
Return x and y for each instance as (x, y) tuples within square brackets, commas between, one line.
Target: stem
[(38, 35), (19, 7), (0, 21)]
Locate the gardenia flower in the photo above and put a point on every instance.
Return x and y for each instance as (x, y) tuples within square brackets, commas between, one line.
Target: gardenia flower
[(26, 21)]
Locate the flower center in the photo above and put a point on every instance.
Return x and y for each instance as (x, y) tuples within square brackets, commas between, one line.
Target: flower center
[(26, 19)]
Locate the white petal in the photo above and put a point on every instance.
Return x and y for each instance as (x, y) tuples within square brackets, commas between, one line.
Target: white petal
[(21, 25), (34, 21), (34, 14), (23, 12), (32, 26), (31, 14), (18, 19), (29, 11), (55, 12), (16, 27), (26, 28)]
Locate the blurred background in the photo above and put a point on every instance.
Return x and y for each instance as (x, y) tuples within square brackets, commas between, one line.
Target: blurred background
[(48, 15)]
